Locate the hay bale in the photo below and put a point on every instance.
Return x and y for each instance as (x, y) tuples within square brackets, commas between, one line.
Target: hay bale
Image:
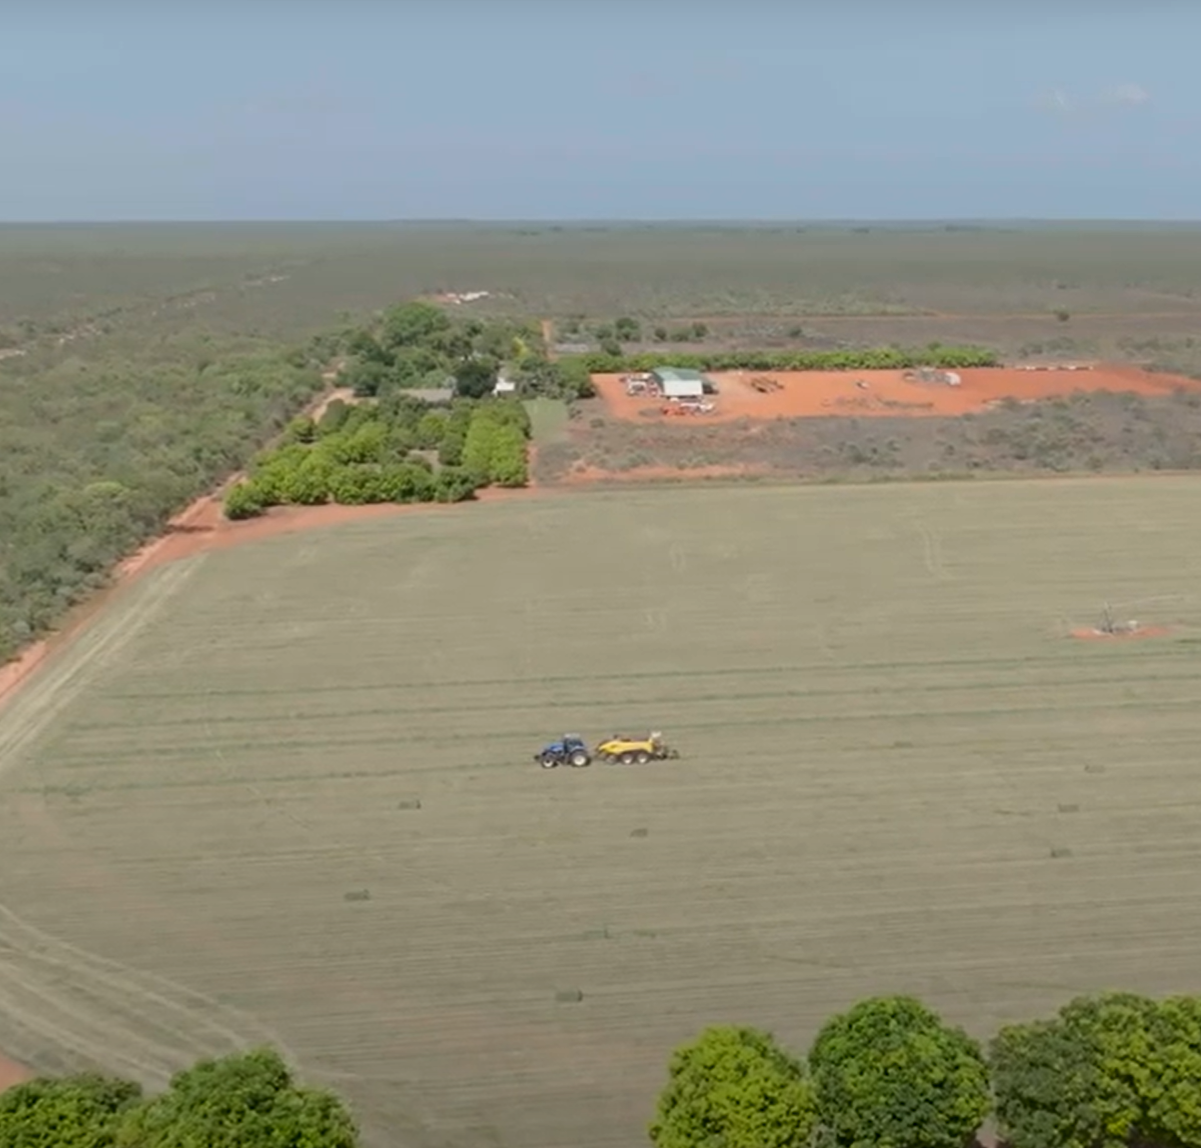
[(414, 804), (1058, 851), (1065, 807), (357, 895), (639, 832), (1094, 769), (569, 996)]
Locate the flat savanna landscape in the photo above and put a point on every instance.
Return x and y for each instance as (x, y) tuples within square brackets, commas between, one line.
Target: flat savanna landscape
[(285, 791)]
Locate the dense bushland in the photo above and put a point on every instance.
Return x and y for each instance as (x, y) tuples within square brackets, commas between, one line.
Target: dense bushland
[(241, 1101), (870, 359), (96, 455), (1116, 1070), (418, 345), (396, 449)]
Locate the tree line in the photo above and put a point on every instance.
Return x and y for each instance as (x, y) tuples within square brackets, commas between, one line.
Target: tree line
[(867, 359), (247, 1100), (1115, 1070), (396, 449)]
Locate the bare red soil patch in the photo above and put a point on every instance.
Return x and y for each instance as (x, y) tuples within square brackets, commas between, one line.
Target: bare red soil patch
[(12, 1073), (816, 394)]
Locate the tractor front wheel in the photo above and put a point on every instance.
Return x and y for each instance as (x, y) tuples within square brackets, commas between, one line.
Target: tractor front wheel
[(548, 761)]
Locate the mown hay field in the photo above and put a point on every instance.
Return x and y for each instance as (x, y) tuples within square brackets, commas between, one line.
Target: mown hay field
[(285, 792)]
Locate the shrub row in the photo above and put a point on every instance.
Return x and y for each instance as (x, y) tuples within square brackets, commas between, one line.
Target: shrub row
[(494, 451), (368, 453), (870, 359), (1112, 1071)]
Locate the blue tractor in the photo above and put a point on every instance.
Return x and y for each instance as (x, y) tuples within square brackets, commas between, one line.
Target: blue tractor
[(568, 750)]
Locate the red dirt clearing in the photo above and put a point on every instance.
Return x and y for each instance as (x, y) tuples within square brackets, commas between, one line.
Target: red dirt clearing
[(817, 394)]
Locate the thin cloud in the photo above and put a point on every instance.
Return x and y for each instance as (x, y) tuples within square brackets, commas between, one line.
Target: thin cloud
[(1058, 102), (1132, 95)]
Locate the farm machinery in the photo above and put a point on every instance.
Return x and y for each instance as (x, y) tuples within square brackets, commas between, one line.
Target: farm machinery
[(631, 750), (571, 750), (568, 750)]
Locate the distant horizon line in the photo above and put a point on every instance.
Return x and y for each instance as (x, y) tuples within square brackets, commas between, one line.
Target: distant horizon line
[(716, 221)]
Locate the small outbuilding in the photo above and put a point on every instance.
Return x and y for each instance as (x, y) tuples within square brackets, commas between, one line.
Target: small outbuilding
[(682, 383)]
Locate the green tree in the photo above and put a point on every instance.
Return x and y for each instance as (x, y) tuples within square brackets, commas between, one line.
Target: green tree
[(333, 419), (309, 483), (243, 500), (734, 1088), (476, 377), (365, 377), (301, 429), (628, 330), (412, 324), (1101, 1074), (75, 1112), (890, 1074), (241, 1101), (1172, 1089), (453, 484)]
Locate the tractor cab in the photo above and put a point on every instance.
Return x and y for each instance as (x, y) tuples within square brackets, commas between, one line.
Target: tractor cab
[(570, 749)]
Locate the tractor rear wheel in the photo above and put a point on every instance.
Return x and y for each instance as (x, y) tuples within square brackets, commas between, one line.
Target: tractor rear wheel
[(579, 760)]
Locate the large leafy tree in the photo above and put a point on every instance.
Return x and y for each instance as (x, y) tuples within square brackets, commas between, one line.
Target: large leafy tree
[(246, 1101), (75, 1112), (412, 324), (1108, 1071), (890, 1074), (734, 1088)]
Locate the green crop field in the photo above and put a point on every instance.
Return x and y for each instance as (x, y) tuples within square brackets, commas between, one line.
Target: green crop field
[(285, 792)]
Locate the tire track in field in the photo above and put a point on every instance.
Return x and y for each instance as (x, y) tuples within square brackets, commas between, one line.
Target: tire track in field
[(83, 1007), (89, 1007), (34, 708)]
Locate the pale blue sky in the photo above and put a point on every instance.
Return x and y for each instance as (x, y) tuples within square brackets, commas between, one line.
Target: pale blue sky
[(570, 109)]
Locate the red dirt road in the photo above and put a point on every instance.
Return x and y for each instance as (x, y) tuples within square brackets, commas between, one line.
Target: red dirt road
[(816, 394)]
